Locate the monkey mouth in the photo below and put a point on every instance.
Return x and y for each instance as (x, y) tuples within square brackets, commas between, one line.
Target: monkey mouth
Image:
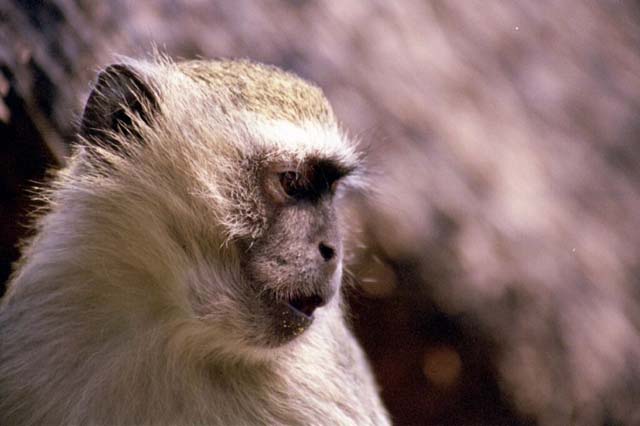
[(306, 305), (291, 316)]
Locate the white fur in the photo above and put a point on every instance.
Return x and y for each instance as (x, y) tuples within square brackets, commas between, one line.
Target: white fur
[(100, 325), (299, 140)]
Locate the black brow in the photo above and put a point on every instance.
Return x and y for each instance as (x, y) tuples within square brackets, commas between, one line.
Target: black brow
[(320, 174)]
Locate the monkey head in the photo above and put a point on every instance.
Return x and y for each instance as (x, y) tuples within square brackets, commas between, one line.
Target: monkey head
[(227, 174)]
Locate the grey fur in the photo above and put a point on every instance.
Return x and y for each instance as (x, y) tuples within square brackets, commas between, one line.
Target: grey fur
[(155, 289)]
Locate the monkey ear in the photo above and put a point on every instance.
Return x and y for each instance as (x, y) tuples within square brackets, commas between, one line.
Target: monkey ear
[(119, 94)]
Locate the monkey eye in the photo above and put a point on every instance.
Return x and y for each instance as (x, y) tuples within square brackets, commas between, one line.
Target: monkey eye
[(294, 184)]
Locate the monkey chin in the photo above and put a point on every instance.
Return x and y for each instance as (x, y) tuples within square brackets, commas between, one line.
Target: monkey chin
[(281, 320)]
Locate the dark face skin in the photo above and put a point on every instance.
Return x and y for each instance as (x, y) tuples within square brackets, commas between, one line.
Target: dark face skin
[(293, 266)]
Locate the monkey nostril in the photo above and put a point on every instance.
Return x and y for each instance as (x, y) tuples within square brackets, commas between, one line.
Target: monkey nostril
[(326, 251)]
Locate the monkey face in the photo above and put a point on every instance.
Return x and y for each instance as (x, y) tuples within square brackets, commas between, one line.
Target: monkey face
[(295, 267), (274, 284)]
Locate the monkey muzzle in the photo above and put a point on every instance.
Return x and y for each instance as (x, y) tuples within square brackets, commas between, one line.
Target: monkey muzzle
[(292, 316), (292, 279)]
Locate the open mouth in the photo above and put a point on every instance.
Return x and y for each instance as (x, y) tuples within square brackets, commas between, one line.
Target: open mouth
[(306, 305), (292, 316)]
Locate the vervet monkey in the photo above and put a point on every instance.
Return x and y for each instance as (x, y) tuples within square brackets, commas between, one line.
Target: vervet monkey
[(188, 269)]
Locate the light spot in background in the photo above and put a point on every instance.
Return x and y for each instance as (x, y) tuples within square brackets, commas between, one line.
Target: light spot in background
[(5, 113), (442, 366), (377, 278)]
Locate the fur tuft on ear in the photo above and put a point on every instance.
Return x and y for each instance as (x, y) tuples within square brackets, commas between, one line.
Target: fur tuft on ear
[(118, 95)]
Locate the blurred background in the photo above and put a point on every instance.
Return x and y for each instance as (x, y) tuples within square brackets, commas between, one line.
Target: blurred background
[(497, 255)]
